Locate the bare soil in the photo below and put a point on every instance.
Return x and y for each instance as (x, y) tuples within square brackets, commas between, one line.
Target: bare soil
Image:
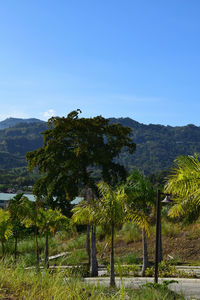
[(184, 247)]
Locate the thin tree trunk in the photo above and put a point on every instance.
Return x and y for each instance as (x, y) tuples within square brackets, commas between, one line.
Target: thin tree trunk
[(145, 252), (46, 256), (160, 256), (15, 253), (37, 247), (88, 244), (112, 265), (94, 263)]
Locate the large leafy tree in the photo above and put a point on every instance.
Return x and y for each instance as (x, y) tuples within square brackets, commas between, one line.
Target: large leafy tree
[(73, 147), (141, 197)]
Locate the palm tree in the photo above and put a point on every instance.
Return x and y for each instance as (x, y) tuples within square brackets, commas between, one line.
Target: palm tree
[(85, 213), (111, 213), (49, 221), (184, 185), (14, 210), (5, 228), (141, 197), (28, 212)]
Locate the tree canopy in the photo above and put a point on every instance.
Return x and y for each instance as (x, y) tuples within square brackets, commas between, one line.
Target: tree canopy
[(73, 147)]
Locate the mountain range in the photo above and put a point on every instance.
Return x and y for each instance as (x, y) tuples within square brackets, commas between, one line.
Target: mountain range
[(156, 145), (10, 122)]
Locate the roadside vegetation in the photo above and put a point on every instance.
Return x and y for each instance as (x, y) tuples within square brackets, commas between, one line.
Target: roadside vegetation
[(15, 283), (112, 225)]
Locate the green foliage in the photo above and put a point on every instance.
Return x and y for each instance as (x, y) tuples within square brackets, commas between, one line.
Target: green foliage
[(130, 232), (130, 258), (71, 147), (170, 229), (76, 257), (125, 270), (31, 285), (166, 269), (49, 221), (77, 271), (5, 228), (183, 184), (76, 243), (111, 207)]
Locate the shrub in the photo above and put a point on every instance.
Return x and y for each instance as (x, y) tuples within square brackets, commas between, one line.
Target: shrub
[(123, 270)]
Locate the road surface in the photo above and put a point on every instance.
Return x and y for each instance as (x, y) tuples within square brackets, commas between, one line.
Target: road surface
[(190, 288)]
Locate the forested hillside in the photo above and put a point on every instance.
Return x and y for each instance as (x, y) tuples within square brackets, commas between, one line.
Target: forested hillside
[(16, 141), (10, 122), (157, 145)]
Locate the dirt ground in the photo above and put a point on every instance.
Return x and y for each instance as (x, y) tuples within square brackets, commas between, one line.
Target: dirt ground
[(184, 248)]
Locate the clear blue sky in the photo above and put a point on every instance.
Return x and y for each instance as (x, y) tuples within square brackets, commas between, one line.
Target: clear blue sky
[(118, 58)]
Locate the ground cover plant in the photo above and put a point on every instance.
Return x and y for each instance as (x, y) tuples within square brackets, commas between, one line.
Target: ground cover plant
[(16, 283)]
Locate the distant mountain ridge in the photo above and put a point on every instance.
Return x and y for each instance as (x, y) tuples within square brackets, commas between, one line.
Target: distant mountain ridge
[(10, 122), (156, 145)]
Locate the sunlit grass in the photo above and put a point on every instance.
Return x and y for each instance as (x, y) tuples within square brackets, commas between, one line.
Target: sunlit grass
[(17, 283)]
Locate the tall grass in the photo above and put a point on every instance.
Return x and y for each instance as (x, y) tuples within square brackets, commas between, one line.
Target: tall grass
[(130, 232), (170, 229), (17, 283)]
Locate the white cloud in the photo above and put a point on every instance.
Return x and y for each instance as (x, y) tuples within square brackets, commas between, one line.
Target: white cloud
[(49, 113)]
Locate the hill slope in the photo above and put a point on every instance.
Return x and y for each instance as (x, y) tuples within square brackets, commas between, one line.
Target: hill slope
[(157, 145), (10, 122)]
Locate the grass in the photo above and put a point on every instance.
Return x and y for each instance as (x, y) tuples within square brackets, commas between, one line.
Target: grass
[(77, 256), (170, 229), (130, 258), (76, 243), (130, 232), (16, 283)]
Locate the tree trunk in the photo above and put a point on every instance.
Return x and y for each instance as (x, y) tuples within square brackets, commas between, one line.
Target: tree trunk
[(94, 263), (46, 254), (37, 247), (160, 256), (15, 253), (145, 252), (112, 265), (88, 244)]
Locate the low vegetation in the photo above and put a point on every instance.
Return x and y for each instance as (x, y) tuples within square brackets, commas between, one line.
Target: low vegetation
[(15, 283)]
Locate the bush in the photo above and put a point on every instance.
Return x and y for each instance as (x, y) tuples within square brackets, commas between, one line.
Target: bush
[(165, 269), (123, 270)]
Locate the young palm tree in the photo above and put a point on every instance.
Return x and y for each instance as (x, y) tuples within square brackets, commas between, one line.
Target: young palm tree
[(141, 197), (49, 221), (28, 212), (111, 213), (85, 213), (184, 185), (14, 210), (5, 228)]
